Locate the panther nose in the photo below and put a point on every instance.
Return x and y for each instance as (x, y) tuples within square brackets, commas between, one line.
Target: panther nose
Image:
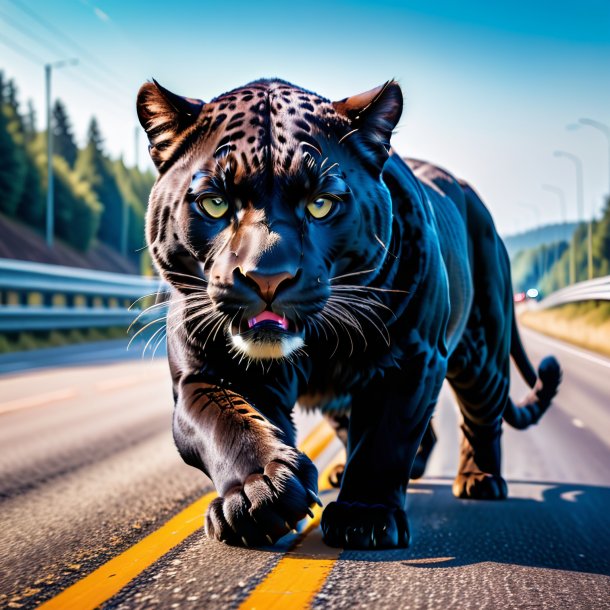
[(268, 284)]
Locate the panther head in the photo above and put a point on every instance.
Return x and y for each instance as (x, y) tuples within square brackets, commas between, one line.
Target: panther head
[(267, 198)]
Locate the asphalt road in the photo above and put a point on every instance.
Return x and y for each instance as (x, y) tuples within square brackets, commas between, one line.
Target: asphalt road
[(88, 468)]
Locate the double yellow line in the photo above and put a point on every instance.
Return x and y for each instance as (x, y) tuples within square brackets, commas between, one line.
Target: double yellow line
[(283, 585)]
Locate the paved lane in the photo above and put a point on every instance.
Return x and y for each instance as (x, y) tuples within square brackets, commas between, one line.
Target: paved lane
[(83, 478)]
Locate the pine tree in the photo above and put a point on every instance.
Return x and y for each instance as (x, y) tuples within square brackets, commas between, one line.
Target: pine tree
[(11, 100), (94, 167), (13, 165), (29, 123), (94, 136), (63, 139)]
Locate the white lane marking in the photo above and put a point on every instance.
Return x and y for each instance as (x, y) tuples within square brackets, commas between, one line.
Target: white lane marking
[(561, 345), (121, 382), (571, 496), (38, 400), (578, 423)]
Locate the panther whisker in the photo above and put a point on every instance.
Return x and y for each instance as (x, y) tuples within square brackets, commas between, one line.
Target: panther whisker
[(146, 296), (352, 274), (348, 320), (161, 339), (328, 169), (221, 319), (371, 288), (157, 306), (335, 309), (347, 135), (365, 305), (151, 339), (385, 247), (325, 322), (357, 299), (305, 143), (141, 330), (187, 275)]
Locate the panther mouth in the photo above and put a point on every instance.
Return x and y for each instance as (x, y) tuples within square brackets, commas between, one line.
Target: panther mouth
[(266, 323), (267, 336)]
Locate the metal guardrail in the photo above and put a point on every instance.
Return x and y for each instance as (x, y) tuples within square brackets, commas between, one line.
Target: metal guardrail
[(43, 278), (96, 299), (590, 290), (42, 297), (17, 319)]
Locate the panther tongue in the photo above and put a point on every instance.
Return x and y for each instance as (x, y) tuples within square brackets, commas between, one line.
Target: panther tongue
[(268, 316)]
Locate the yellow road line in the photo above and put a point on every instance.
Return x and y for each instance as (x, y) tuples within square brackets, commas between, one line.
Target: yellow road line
[(302, 572), (107, 580)]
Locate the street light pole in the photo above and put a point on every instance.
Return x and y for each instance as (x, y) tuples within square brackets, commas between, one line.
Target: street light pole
[(50, 212), (50, 228), (561, 196), (540, 261), (579, 199), (605, 129)]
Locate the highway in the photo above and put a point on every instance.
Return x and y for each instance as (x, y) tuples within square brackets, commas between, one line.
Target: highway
[(88, 469)]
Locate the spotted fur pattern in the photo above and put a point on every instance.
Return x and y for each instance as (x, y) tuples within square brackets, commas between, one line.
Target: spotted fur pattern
[(308, 262)]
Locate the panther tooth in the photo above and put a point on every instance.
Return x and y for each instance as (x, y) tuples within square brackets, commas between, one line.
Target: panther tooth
[(269, 539), (243, 539), (373, 541), (287, 526), (314, 497)]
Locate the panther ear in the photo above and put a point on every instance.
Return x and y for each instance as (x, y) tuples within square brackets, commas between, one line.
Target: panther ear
[(164, 116), (373, 116)]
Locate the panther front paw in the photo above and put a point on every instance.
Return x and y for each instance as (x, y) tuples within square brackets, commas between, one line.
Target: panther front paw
[(480, 486), (364, 526), (266, 505)]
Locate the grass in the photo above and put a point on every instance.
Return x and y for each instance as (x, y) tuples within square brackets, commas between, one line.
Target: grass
[(25, 341), (584, 324)]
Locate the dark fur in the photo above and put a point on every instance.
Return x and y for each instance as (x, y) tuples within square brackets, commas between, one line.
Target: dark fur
[(404, 285)]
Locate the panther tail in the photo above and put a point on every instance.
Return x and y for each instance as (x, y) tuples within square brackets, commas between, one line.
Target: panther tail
[(544, 385)]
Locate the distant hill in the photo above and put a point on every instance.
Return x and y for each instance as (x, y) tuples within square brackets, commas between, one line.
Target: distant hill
[(23, 243), (545, 235)]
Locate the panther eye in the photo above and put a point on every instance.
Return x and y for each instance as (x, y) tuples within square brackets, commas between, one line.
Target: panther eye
[(320, 208), (216, 207)]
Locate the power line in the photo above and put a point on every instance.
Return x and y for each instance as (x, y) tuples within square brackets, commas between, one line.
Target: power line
[(67, 40), (40, 41), (115, 97), (21, 50)]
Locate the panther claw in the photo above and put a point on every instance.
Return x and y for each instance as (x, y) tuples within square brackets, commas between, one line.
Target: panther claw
[(314, 497), (365, 526)]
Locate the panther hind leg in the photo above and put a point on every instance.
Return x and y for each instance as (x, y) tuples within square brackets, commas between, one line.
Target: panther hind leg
[(479, 376), (339, 420)]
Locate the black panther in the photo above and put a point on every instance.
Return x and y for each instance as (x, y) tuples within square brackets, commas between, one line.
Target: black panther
[(309, 263)]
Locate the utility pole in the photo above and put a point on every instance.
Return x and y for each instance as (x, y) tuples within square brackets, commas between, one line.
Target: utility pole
[(50, 224)]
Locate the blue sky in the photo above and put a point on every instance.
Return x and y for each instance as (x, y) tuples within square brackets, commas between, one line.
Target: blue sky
[(489, 87)]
